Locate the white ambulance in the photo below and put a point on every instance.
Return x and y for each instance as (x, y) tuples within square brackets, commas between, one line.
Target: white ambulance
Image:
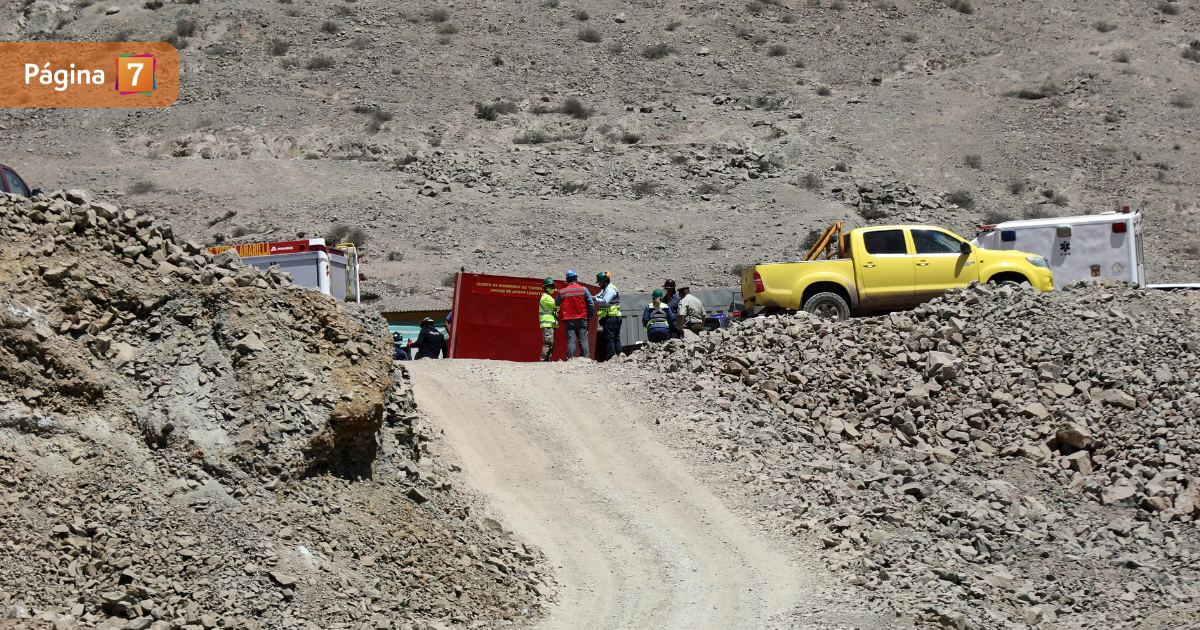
[(331, 270), (1091, 247)]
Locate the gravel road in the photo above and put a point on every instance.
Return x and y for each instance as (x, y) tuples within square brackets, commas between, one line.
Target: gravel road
[(640, 542)]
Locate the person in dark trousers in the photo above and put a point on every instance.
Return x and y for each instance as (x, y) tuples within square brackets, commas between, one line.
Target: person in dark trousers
[(658, 319), (575, 308), (398, 351), (431, 343), (608, 308), (671, 298)]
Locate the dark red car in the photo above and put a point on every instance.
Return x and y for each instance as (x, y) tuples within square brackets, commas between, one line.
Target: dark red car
[(10, 182)]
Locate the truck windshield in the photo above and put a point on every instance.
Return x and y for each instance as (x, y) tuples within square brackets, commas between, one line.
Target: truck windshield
[(934, 242)]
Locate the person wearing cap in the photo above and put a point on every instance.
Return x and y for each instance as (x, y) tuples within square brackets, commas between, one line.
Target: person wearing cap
[(575, 308), (398, 351), (690, 311), (608, 308), (658, 319), (431, 343), (548, 318)]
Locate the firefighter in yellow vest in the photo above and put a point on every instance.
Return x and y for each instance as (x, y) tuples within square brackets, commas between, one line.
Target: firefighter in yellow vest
[(548, 318), (608, 309)]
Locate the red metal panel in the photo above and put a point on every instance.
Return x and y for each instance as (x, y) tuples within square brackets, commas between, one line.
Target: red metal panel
[(496, 317)]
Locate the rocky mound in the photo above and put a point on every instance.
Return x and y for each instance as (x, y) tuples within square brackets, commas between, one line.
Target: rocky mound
[(188, 442), (994, 458)]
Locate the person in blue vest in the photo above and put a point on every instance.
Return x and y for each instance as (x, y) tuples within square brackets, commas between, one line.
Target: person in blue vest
[(431, 343), (658, 319), (608, 308)]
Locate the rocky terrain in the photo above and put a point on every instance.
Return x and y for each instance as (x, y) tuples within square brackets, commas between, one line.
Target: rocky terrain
[(996, 458), (186, 442), (670, 139)]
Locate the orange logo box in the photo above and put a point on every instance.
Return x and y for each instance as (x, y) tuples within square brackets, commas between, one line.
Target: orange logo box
[(88, 74)]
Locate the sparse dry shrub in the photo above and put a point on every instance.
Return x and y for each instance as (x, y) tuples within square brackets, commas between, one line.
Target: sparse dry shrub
[(1036, 212), (278, 47), (1168, 8), (1105, 27), (492, 111), (186, 28), (777, 50), (995, 216), (910, 37), (1182, 101), (658, 51), (589, 35), (141, 188), (673, 25), (962, 6), (974, 161), (644, 188), (811, 181), (961, 198), (437, 15), (330, 27), (872, 212), (320, 62), (824, 91)]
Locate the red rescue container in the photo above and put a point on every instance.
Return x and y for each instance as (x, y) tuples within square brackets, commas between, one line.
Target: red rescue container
[(496, 317)]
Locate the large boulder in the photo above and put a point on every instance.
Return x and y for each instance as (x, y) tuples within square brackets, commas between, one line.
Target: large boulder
[(44, 17)]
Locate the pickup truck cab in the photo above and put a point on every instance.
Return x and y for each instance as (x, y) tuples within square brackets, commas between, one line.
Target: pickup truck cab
[(886, 268)]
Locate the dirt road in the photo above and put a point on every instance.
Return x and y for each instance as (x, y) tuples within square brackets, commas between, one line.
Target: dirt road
[(568, 466)]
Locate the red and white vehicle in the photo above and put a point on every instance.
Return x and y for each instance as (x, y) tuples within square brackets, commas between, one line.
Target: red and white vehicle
[(332, 270), (10, 182)]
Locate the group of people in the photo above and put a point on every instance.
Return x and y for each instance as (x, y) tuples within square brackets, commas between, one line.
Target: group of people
[(430, 343), (668, 315)]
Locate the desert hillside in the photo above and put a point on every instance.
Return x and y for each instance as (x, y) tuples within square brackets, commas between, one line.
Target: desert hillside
[(666, 139)]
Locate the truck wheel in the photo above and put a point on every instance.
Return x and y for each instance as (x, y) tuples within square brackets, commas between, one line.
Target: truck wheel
[(829, 306)]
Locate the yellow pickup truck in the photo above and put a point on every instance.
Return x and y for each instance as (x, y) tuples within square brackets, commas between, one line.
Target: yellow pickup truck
[(883, 268)]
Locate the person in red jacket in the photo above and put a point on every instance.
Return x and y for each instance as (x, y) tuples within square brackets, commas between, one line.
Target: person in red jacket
[(575, 308)]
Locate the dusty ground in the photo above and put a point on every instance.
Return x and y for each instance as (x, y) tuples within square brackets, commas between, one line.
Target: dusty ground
[(726, 127), (640, 541)]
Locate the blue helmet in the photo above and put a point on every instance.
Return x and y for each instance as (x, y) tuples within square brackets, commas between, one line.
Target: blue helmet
[(571, 274)]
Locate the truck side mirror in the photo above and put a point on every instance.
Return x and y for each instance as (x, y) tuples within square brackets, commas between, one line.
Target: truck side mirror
[(965, 248)]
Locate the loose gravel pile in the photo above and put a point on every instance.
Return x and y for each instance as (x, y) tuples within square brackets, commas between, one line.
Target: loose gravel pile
[(998, 457), (188, 442)]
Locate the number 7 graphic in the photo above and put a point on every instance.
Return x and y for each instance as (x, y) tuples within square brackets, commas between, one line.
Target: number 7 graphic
[(129, 71)]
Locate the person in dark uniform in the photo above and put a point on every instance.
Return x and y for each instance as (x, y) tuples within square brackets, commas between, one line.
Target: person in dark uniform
[(431, 343)]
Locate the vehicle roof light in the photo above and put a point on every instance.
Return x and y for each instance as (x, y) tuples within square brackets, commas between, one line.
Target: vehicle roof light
[(1119, 228), (1125, 209), (1063, 231), (1008, 236)]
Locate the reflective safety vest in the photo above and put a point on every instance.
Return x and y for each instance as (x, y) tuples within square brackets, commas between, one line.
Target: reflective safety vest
[(573, 302), (546, 311), (660, 316), (614, 305)]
